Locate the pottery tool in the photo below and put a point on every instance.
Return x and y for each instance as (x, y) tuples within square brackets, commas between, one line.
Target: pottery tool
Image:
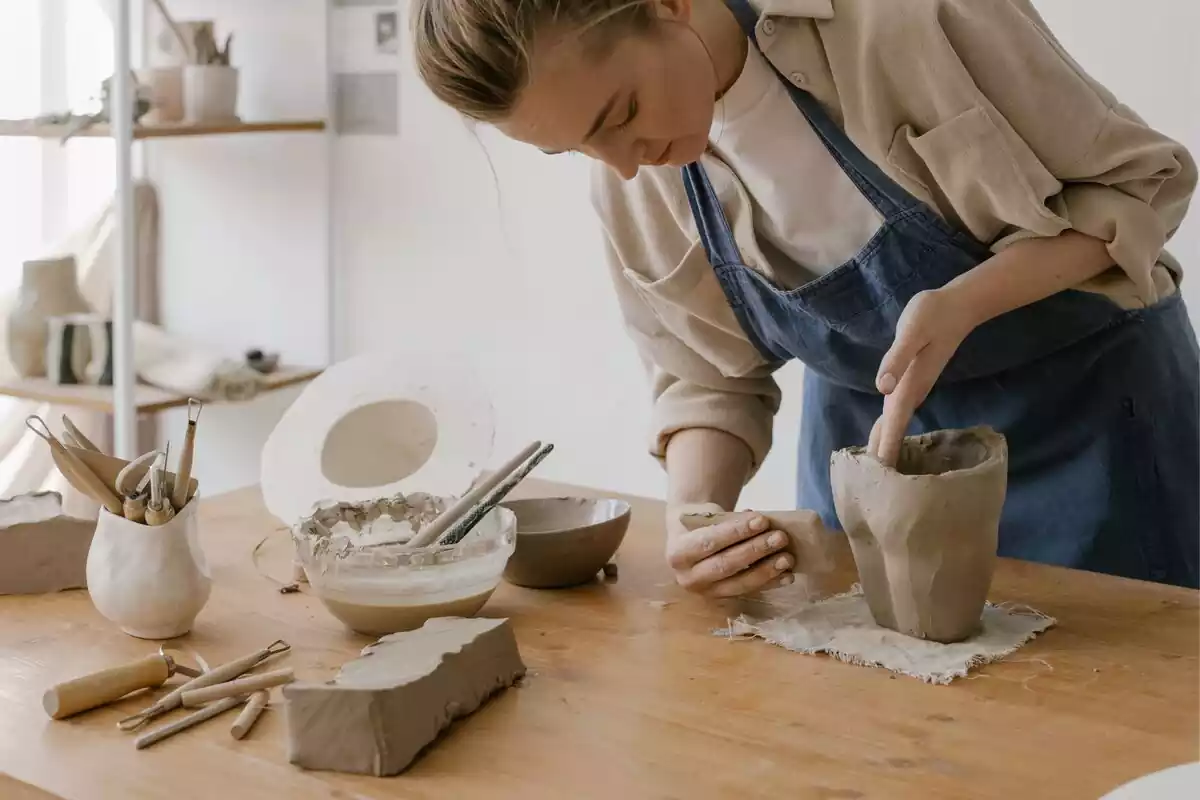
[(188, 51), (183, 723), (77, 435), (464, 526), (128, 480), (194, 698), (108, 467), (433, 530), (181, 495), (135, 508), (100, 688), (219, 674), (159, 510), (249, 715), (74, 470)]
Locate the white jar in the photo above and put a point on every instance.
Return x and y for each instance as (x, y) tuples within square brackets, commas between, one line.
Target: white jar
[(151, 581), (210, 93)]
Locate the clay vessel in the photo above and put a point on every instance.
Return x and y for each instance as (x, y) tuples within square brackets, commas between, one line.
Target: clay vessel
[(924, 534), (564, 541), (150, 581), (49, 288)]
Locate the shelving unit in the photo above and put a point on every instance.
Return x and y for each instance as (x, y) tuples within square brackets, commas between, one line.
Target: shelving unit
[(126, 398)]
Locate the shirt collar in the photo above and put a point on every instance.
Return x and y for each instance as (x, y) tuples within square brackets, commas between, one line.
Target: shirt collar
[(811, 9)]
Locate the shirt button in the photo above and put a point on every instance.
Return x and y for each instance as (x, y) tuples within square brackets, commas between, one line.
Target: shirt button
[(768, 27), (798, 78)]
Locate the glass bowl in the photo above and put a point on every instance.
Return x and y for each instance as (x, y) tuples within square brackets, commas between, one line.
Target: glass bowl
[(388, 588)]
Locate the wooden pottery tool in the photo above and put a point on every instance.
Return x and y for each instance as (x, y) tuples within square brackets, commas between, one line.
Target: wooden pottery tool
[(194, 698), (127, 480), (219, 674), (461, 528), (77, 435), (433, 530), (183, 723), (100, 688), (107, 468), (181, 495), (159, 510), (249, 715), (135, 508), (77, 473)]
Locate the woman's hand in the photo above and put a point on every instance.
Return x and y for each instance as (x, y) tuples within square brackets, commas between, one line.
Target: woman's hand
[(728, 559), (930, 330)]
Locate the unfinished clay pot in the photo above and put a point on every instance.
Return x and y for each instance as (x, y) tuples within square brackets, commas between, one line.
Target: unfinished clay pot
[(564, 541), (924, 534), (49, 288)]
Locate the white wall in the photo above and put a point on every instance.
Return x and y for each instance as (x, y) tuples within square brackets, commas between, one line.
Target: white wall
[(428, 244)]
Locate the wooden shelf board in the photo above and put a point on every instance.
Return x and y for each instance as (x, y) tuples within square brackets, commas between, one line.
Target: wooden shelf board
[(31, 128), (150, 399)]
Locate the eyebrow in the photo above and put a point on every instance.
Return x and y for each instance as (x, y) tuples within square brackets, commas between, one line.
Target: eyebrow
[(596, 124)]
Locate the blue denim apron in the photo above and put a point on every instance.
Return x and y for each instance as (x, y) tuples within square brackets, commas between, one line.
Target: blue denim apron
[(1100, 405)]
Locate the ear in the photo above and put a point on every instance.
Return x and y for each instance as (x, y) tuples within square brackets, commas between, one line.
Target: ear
[(673, 10)]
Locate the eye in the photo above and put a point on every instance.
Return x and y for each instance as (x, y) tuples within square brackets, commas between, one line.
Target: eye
[(632, 112)]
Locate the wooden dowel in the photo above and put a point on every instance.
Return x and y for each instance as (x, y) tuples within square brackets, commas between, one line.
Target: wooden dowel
[(251, 683), (183, 723), (249, 715)]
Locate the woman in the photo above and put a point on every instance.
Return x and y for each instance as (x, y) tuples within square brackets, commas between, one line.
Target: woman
[(925, 201)]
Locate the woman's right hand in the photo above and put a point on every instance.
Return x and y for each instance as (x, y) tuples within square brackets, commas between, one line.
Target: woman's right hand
[(728, 559)]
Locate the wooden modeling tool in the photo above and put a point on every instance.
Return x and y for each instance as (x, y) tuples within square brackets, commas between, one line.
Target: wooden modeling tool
[(100, 688), (135, 508), (181, 494), (430, 533), (127, 480), (183, 723), (159, 510), (194, 698), (464, 526), (107, 468), (75, 471), (249, 715), (77, 435), (219, 674)]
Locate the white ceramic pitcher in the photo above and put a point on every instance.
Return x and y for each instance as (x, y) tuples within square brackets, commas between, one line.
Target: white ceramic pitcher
[(151, 581)]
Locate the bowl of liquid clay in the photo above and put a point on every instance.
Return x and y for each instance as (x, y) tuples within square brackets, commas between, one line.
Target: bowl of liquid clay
[(357, 563)]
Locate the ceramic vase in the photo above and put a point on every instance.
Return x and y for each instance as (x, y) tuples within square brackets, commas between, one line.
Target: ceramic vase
[(210, 93), (49, 288), (924, 534), (164, 88), (151, 581)]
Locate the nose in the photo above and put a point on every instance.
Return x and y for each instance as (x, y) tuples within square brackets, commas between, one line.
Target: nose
[(624, 159)]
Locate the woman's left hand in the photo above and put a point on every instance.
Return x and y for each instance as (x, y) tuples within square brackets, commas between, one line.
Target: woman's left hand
[(930, 330)]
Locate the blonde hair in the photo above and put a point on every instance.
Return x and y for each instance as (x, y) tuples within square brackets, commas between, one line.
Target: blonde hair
[(474, 55)]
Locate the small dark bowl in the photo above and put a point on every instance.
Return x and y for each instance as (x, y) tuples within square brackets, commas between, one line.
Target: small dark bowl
[(564, 541)]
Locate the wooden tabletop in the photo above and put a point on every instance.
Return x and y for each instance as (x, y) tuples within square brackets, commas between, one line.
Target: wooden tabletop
[(629, 695)]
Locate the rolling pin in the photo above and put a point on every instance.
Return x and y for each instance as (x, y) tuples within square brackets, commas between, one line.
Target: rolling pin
[(103, 687), (249, 715), (251, 683), (224, 672)]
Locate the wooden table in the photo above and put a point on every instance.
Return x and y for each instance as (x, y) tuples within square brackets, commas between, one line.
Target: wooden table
[(629, 695)]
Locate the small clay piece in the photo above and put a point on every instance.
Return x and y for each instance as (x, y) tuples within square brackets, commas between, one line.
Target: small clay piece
[(249, 714), (814, 548), (564, 541), (194, 698), (383, 708), (924, 534), (42, 550), (610, 570)]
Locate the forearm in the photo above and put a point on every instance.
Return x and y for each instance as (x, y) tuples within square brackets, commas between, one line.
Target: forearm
[(1026, 272), (705, 465)]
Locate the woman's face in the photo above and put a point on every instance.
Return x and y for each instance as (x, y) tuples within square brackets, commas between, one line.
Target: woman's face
[(647, 101)]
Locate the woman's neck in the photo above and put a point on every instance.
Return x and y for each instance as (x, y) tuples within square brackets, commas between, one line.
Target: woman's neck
[(723, 38)]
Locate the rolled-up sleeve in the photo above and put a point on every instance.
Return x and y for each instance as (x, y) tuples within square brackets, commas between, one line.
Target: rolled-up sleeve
[(1113, 176)]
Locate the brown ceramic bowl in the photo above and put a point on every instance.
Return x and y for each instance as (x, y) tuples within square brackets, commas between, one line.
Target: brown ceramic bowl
[(564, 541)]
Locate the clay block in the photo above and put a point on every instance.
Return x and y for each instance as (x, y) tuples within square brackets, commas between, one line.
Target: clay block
[(384, 707), (42, 550), (924, 534)]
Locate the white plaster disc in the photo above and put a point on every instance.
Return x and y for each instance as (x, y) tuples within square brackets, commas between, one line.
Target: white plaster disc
[(375, 425), (1176, 783)]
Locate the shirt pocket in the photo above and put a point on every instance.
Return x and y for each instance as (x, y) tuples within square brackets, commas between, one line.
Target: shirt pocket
[(988, 182), (691, 305)]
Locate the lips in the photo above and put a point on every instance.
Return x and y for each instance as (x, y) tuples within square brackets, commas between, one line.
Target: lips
[(663, 157)]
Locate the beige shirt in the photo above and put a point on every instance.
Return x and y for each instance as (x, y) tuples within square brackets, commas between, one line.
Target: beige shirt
[(970, 105)]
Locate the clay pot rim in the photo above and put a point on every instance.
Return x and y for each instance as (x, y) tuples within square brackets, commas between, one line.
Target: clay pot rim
[(996, 443), (622, 512)]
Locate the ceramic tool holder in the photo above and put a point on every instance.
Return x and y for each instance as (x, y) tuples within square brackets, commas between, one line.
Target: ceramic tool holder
[(150, 581)]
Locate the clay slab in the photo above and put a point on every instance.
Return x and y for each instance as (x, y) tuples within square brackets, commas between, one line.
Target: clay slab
[(42, 550), (383, 708)]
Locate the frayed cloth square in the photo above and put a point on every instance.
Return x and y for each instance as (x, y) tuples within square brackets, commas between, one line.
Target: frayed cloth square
[(842, 626)]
